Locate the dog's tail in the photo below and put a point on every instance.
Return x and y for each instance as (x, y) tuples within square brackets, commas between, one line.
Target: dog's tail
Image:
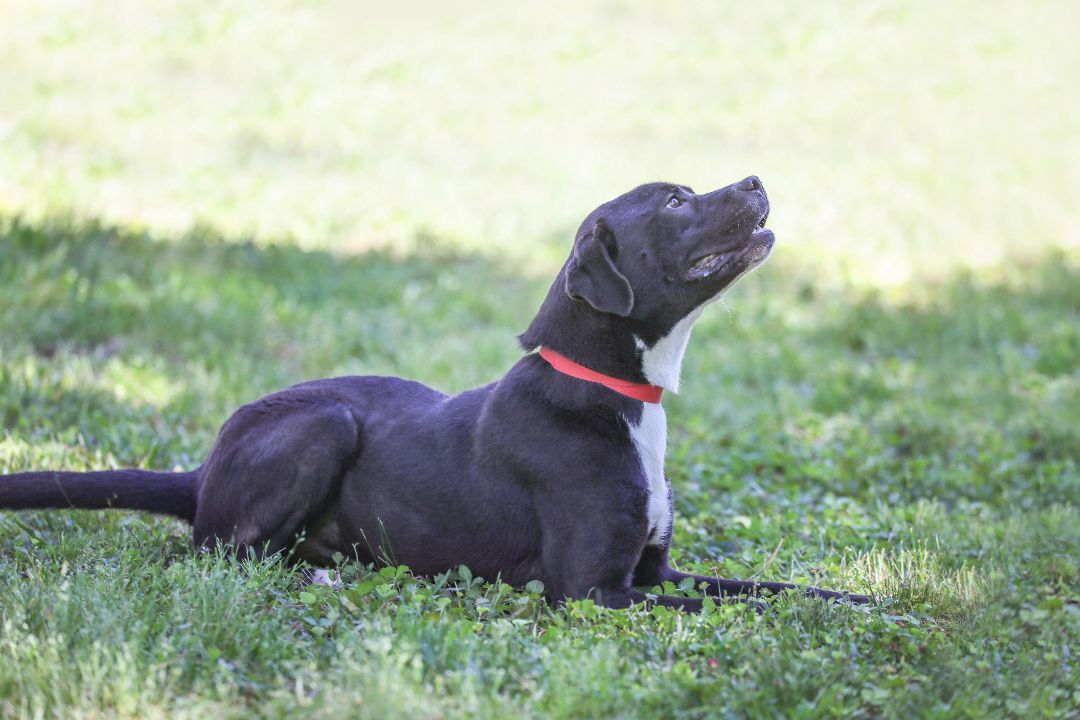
[(157, 492)]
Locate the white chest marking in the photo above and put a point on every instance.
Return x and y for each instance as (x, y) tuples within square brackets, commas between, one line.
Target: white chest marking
[(661, 365), (650, 441)]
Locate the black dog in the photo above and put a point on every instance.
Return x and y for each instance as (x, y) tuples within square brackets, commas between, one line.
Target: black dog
[(555, 472)]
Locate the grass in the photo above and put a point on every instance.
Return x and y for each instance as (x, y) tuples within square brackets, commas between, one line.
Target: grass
[(199, 205)]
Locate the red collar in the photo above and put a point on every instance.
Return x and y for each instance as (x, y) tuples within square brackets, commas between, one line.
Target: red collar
[(639, 391)]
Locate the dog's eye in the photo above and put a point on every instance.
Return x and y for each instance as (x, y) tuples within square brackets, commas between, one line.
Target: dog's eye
[(674, 202)]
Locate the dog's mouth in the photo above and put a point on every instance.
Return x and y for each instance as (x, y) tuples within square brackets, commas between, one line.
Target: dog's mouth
[(748, 251)]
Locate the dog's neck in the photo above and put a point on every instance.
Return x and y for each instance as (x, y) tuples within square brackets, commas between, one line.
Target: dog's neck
[(607, 343)]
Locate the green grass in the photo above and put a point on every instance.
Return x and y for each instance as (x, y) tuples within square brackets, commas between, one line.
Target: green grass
[(199, 205)]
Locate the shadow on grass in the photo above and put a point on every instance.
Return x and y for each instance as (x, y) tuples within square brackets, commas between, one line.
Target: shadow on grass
[(106, 289), (115, 337)]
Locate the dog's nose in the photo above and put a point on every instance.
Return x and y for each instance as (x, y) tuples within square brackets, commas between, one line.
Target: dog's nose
[(750, 184)]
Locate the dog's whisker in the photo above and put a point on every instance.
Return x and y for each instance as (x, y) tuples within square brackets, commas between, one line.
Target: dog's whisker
[(729, 308)]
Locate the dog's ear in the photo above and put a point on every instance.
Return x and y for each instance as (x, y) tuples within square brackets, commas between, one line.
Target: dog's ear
[(591, 274)]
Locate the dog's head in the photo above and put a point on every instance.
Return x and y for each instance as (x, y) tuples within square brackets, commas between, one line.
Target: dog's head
[(642, 267), (660, 251)]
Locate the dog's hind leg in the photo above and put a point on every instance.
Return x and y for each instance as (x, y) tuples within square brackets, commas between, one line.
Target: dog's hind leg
[(276, 472)]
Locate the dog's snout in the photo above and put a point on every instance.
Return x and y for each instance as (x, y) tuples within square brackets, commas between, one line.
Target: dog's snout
[(751, 184)]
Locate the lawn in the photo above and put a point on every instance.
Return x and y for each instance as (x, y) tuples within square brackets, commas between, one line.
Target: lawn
[(203, 203)]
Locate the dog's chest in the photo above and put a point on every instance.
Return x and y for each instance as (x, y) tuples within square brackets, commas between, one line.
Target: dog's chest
[(649, 436)]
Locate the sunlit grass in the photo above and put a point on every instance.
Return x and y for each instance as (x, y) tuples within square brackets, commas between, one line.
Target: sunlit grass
[(896, 142)]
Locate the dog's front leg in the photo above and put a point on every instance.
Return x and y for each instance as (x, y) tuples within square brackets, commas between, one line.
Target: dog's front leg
[(726, 587), (654, 568)]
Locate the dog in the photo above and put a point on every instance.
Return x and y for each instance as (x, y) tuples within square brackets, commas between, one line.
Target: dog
[(553, 473)]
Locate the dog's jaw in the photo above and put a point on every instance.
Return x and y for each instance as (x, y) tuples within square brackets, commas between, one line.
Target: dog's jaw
[(661, 363)]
